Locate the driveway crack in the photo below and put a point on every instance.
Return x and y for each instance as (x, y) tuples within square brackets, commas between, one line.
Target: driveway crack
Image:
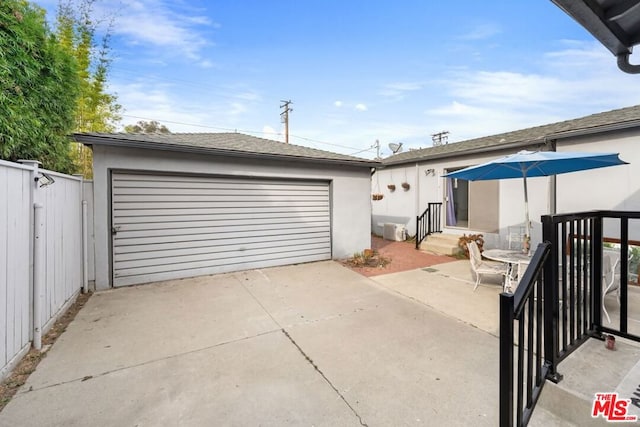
[(307, 358), (317, 369)]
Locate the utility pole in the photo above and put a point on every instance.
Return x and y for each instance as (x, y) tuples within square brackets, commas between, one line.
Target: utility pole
[(285, 118), (376, 145)]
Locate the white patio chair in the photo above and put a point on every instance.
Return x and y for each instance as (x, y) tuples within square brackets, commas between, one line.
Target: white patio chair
[(610, 280), (481, 267), (516, 276)]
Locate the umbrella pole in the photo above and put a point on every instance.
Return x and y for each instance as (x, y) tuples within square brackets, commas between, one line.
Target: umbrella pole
[(526, 206)]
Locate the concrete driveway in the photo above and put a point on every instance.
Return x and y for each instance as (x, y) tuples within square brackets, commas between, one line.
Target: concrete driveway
[(313, 344)]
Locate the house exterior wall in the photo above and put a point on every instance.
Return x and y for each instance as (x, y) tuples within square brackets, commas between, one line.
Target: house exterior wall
[(350, 198), (431, 188), (612, 188)]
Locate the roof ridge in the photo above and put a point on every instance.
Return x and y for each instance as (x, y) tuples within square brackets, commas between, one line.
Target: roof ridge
[(522, 136)]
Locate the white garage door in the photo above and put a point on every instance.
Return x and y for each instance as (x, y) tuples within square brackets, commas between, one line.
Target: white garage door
[(167, 227)]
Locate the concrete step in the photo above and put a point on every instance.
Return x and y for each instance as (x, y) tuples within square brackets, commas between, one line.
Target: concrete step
[(543, 418), (439, 243), (589, 370)]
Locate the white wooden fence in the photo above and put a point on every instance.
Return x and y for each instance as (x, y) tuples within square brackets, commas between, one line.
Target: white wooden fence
[(41, 255)]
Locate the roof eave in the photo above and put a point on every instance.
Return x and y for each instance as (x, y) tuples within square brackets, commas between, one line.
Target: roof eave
[(463, 152), (613, 127), (163, 146), (591, 20)]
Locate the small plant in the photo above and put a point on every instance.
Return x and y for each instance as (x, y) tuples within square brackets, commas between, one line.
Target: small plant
[(377, 196), (462, 242), (391, 187), (367, 258), (405, 186)]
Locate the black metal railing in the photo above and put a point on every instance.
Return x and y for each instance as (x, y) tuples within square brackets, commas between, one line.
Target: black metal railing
[(579, 241), (429, 222), (526, 377), (570, 309)]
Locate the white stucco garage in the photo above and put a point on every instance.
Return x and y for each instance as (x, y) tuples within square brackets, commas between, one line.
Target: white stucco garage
[(182, 205)]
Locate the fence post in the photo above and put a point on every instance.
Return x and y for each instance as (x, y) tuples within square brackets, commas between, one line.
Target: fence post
[(417, 232), (596, 271), (506, 360), (550, 295)]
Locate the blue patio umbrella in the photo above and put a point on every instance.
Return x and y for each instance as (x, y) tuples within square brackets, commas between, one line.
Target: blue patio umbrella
[(526, 164)]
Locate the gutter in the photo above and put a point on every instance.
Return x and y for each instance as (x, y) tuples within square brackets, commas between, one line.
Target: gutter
[(162, 146)]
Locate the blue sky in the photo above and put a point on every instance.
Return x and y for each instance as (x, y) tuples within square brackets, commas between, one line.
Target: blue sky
[(357, 71)]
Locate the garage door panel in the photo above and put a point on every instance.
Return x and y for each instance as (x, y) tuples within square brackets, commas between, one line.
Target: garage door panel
[(171, 226), (240, 196), (129, 253), (248, 205), (183, 181), (291, 255), (248, 216), (228, 190), (231, 222), (194, 238), (218, 254), (130, 213), (257, 229), (176, 242), (225, 268), (224, 225)]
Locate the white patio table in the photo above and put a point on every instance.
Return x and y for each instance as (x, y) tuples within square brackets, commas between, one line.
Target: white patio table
[(511, 258)]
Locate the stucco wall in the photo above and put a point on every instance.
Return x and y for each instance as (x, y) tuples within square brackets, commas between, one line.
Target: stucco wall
[(612, 188), (350, 197), (431, 188)]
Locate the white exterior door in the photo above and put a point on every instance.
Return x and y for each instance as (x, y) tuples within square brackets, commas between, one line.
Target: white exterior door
[(173, 226)]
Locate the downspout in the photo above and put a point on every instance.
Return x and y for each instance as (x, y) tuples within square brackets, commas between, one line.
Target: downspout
[(35, 272), (85, 250), (626, 66)]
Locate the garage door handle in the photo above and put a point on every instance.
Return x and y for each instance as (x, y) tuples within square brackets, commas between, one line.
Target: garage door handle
[(114, 230)]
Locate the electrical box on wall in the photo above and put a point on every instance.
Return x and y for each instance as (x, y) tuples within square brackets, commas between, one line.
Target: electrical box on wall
[(396, 232)]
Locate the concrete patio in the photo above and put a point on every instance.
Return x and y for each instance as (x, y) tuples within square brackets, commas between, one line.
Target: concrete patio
[(314, 344)]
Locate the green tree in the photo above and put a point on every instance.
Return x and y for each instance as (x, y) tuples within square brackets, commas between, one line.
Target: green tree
[(38, 88), (143, 126), (97, 110)]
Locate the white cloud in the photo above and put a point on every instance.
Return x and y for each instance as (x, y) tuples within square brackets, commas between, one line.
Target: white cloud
[(207, 64), (361, 107), (160, 24), (268, 131), (249, 96), (481, 32), (237, 108), (338, 104), (578, 80), (399, 89)]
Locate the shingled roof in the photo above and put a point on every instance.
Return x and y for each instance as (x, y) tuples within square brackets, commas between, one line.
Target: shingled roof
[(601, 122), (230, 144)]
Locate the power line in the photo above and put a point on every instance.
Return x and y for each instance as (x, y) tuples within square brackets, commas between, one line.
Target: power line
[(235, 130)]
